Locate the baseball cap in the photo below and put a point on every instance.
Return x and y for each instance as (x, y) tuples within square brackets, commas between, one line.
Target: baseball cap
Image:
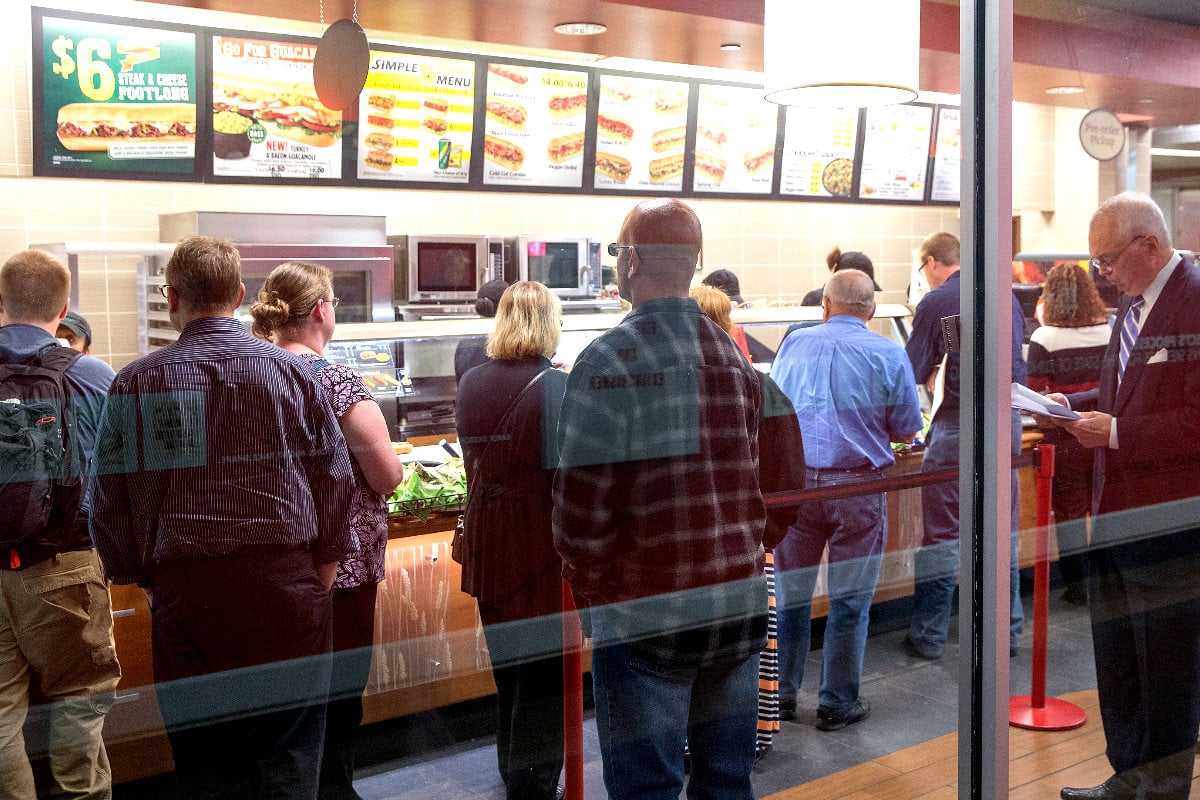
[(78, 326)]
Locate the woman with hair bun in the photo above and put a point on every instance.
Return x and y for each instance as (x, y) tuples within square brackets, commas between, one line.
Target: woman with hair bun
[(837, 260), (295, 310), (472, 350)]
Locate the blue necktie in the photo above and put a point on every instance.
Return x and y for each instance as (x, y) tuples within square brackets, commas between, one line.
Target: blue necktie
[(1129, 332)]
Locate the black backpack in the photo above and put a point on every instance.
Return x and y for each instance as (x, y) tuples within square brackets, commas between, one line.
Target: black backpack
[(41, 487)]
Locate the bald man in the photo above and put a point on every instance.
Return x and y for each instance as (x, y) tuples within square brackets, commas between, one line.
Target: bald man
[(854, 395), (659, 518)]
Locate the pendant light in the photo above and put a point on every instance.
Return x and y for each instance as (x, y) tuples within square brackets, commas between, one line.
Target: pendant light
[(849, 53)]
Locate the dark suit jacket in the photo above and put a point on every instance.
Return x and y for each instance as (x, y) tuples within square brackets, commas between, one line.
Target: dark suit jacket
[(1157, 406)]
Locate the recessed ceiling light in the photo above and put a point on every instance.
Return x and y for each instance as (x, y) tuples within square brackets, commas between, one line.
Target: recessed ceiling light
[(580, 28), (1065, 90), (731, 46)]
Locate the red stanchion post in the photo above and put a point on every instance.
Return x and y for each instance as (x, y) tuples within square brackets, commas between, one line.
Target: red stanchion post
[(572, 696), (1035, 711)]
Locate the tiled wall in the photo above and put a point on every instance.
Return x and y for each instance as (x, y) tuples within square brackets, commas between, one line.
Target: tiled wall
[(778, 248)]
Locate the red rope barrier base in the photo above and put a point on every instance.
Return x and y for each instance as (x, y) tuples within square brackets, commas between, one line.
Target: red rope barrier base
[(1055, 715)]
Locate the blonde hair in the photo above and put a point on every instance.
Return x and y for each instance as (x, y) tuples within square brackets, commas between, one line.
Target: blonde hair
[(288, 296), (34, 287), (528, 323), (206, 273), (715, 304)]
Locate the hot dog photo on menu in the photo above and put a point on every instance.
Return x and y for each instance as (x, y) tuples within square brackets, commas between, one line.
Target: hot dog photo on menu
[(267, 118), (641, 133), (735, 140), (534, 120)]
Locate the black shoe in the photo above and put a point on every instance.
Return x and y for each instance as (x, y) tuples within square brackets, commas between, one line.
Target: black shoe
[(911, 649), (832, 719), (1112, 789), (787, 711), (760, 752)]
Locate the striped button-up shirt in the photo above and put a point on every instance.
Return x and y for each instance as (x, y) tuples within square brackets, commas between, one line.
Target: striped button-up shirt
[(657, 506), (215, 443)]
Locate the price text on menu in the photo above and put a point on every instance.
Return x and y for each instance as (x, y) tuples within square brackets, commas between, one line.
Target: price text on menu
[(117, 98)]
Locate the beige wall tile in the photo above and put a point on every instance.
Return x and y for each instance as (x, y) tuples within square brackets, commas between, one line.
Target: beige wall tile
[(93, 297), (759, 282), (719, 216), (547, 213), (23, 140), (760, 250), (122, 293), (131, 209), (12, 240), (722, 251), (12, 204), (66, 204), (122, 330)]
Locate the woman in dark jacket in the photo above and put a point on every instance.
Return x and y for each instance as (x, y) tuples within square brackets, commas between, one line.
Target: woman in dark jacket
[(507, 415)]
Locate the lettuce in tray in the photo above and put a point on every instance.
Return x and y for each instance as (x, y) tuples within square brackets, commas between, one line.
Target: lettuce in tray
[(427, 489)]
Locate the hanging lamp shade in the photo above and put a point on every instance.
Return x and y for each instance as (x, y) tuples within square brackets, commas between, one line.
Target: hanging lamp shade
[(846, 53)]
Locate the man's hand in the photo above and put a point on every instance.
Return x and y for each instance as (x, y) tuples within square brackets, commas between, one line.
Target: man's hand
[(931, 381), (1091, 431), (327, 572), (1044, 421)]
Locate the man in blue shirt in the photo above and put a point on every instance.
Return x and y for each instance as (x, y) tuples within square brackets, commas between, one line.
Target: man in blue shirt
[(936, 561), (854, 394)]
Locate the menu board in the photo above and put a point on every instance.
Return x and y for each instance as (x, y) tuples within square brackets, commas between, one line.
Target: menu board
[(735, 140), (818, 152), (641, 129), (536, 120), (267, 121), (947, 157), (113, 99), (895, 155), (416, 118)]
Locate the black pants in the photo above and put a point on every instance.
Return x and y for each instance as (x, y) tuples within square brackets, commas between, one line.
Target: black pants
[(353, 637), (241, 660), (527, 665)]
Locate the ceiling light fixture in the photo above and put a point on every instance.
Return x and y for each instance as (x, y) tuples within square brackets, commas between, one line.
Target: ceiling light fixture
[(580, 28), (879, 65), (1065, 90), (731, 46)]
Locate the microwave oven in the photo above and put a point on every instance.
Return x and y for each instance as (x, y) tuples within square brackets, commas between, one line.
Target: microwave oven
[(449, 268), (569, 265)]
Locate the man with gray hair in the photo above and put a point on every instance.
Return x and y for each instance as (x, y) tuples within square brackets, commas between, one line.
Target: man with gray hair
[(854, 394)]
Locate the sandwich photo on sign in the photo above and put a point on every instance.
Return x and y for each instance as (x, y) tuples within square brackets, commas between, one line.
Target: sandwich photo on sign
[(289, 110), (564, 148), (503, 152), (567, 105), (613, 166), (96, 126), (666, 169), (511, 115)]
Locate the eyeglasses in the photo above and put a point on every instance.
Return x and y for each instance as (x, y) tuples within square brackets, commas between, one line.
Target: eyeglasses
[(163, 289), (614, 249), (333, 301), (1106, 263)]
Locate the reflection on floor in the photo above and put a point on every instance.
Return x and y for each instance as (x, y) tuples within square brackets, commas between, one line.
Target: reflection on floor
[(913, 702)]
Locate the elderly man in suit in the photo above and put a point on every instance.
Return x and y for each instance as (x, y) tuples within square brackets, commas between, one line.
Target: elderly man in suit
[(1144, 423)]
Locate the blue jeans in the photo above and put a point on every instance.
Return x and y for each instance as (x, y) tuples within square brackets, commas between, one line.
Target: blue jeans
[(645, 712), (855, 529), (936, 561)]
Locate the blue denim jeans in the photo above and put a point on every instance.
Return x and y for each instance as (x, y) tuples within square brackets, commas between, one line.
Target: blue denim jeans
[(936, 561), (855, 529), (645, 712)]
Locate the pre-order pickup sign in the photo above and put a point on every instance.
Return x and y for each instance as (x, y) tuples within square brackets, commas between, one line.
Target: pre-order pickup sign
[(113, 98)]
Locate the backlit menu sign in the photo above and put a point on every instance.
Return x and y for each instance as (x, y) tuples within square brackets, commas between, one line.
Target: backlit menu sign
[(267, 121), (535, 126), (735, 140), (818, 152), (113, 100), (947, 157), (641, 130), (895, 156), (416, 118)]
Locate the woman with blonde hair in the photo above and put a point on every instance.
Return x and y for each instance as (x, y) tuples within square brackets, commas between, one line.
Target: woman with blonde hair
[(1065, 355), (295, 310), (717, 306), (507, 418)]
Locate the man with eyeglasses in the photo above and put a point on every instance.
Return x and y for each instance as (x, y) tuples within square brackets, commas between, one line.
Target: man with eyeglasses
[(659, 518), (224, 491), (1144, 421), (936, 560)]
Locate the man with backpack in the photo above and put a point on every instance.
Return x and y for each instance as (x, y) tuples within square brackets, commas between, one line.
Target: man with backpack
[(56, 629)]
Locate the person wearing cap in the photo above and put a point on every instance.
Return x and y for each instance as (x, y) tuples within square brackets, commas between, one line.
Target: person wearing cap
[(472, 350), (76, 332), (837, 261)]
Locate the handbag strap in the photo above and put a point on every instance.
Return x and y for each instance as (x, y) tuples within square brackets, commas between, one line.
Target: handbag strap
[(504, 420)]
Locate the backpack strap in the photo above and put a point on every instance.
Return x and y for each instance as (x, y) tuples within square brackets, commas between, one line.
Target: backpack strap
[(56, 357)]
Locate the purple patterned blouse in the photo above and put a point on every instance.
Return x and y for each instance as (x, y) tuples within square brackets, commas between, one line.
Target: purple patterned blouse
[(368, 509)]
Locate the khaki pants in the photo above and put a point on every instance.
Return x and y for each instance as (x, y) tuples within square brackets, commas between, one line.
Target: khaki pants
[(56, 627)]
